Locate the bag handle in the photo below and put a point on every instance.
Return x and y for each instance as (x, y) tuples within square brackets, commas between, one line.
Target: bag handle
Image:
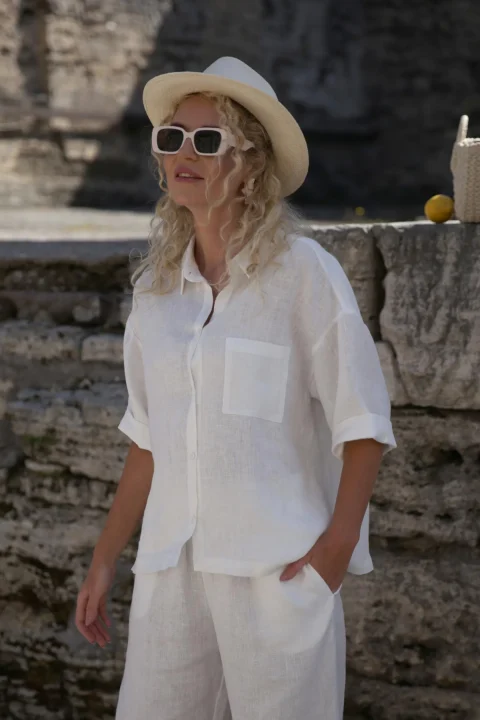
[(462, 129), (461, 136)]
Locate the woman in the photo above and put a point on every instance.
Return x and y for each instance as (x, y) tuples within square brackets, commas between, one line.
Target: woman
[(258, 416)]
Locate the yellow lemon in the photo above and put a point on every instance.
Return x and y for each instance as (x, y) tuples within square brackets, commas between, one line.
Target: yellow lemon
[(439, 208)]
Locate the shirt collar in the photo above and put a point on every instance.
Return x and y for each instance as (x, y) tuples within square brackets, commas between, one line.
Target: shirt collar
[(189, 270), (189, 267)]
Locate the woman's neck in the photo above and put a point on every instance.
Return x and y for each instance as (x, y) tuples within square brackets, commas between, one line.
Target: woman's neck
[(209, 245)]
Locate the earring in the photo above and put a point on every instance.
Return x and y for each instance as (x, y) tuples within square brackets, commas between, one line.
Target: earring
[(248, 188)]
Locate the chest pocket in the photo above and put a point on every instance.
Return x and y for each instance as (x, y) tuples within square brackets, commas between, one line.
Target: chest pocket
[(256, 376)]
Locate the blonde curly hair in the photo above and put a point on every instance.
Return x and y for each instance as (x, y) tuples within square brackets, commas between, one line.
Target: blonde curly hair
[(267, 219)]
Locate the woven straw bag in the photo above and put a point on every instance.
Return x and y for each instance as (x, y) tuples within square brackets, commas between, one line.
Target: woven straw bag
[(465, 167)]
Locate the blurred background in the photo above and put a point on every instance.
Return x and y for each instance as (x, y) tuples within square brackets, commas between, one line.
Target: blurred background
[(378, 87)]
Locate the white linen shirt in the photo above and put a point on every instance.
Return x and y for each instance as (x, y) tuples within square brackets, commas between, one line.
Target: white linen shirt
[(247, 416)]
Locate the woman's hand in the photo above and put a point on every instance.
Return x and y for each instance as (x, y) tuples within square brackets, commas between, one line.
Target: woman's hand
[(329, 557), (92, 603), (331, 554)]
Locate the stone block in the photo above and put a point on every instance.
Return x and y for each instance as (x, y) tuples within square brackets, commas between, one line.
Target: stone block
[(431, 316), (95, 56), (89, 310), (62, 308), (49, 551), (45, 551), (102, 404), (396, 391), (354, 248), (56, 540), (12, 78), (41, 157), (105, 347), (22, 341), (49, 484), (427, 494), (415, 621), (6, 387), (74, 429), (82, 150)]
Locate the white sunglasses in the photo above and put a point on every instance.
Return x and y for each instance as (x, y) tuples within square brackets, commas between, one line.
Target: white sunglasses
[(168, 139)]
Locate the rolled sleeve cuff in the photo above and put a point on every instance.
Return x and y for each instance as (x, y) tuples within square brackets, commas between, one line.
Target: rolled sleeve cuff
[(136, 431), (377, 427)]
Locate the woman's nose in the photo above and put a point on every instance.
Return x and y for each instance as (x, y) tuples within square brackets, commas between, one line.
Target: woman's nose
[(187, 150)]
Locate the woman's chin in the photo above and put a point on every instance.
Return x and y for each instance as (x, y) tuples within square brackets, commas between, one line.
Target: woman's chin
[(190, 198)]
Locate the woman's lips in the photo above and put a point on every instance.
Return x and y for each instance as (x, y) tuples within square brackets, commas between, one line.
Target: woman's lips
[(184, 174), (178, 178)]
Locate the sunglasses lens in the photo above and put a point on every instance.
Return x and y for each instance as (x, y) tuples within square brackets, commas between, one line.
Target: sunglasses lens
[(207, 142), (169, 139)]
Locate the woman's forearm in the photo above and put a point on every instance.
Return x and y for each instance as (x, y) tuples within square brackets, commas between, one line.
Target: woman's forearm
[(128, 505), (361, 463)]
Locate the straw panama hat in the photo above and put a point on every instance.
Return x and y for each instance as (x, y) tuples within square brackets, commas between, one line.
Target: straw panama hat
[(233, 78)]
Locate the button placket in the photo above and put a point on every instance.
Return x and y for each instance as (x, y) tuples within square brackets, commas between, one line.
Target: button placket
[(191, 463), (192, 422)]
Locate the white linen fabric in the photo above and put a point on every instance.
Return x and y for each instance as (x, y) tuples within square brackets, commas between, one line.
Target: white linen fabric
[(215, 647), (247, 416)]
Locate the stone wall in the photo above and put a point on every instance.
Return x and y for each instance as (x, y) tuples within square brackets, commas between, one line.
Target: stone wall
[(413, 625), (377, 85)]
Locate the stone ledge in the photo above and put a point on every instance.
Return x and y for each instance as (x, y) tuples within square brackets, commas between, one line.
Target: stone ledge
[(44, 225), (48, 484), (25, 342), (95, 242)]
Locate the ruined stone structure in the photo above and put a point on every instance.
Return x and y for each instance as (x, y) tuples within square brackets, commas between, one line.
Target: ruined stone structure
[(413, 625), (377, 86)]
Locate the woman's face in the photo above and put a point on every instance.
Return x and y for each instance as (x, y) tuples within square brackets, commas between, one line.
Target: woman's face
[(195, 112)]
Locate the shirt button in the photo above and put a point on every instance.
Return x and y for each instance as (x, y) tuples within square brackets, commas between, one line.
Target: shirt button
[(193, 455)]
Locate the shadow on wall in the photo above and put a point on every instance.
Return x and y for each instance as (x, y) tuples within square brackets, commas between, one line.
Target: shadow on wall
[(124, 172), (377, 91), (91, 60), (313, 55)]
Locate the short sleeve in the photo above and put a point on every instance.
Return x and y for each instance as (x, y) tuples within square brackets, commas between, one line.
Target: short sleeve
[(347, 379), (135, 420)]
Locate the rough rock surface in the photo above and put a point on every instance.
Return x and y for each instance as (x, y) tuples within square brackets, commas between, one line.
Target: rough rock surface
[(415, 622), (106, 347), (412, 625), (77, 430), (431, 315), (428, 492)]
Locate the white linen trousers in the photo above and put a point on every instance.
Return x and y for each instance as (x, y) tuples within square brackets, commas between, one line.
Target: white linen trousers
[(208, 646)]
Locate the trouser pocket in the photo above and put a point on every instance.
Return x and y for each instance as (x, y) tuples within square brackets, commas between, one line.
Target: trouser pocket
[(295, 614)]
